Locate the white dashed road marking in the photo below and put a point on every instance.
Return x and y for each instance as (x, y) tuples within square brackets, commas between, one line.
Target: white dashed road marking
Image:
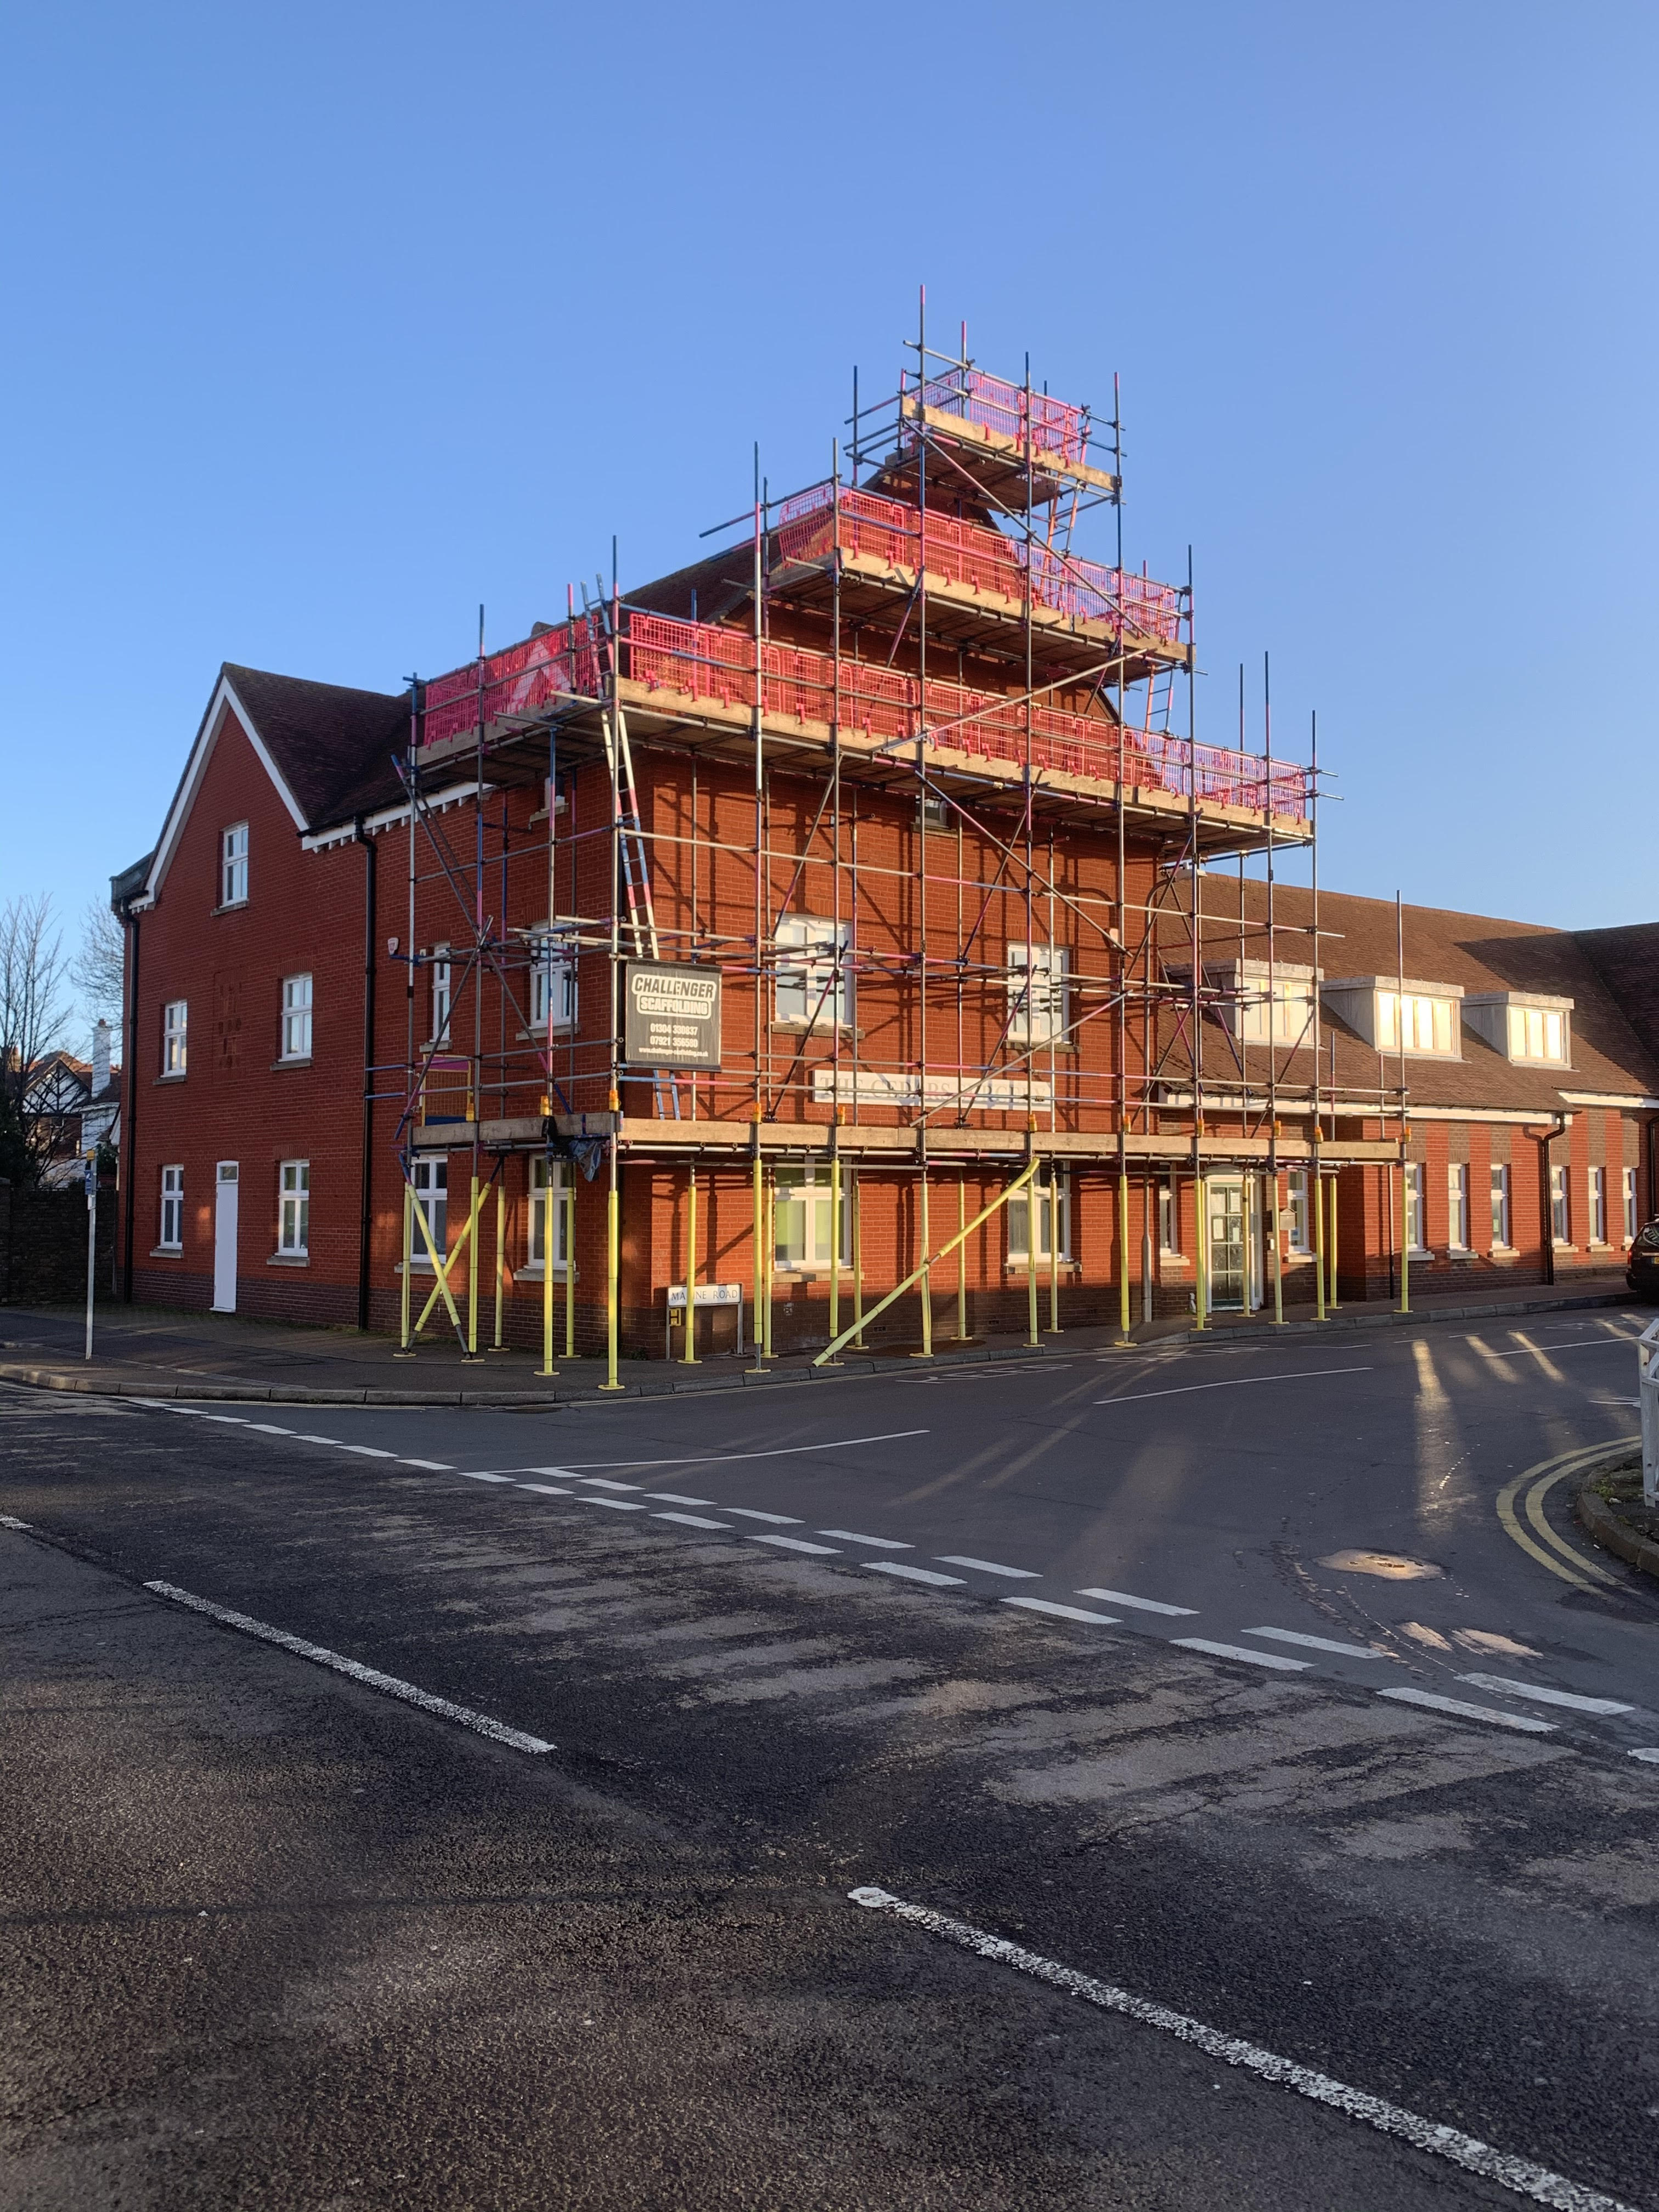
[(432, 1466), (1063, 1612), (877, 1543), (1520, 2174), (672, 1497), (595, 1481), (477, 1478), (1238, 1651), (364, 1451), (1462, 1709), (1650, 1758), (1234, 1383), (1142, 1604), (798, 1544), (617, 1504), (777, 1520), (1319, 1643), (546, 1490), (370, 1677), (697, 1521), (912, 1574), (1506, 1688), (989, 1567), (777, 1451)]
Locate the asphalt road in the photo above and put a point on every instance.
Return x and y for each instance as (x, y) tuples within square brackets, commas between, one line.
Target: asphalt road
[(435, 1969)]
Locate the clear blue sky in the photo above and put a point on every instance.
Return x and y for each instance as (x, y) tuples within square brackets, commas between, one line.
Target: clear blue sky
[(326, 323)]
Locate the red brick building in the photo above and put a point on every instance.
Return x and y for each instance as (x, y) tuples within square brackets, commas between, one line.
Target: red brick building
[(894, 793)]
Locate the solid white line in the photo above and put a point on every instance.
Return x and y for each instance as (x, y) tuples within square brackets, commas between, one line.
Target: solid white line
[(368, 1451), (1542, 1697), (1462, 1710), (798, 1544), (780, 1451), (1142, 1604), (988, 1567), (617, 1504), (702, 1520), (1522, 2175), (777, 1520), (877, 1543), (437, 1466), (546, 1490), (1320, 1644), (912, 1574), (8, 1521), (1650, 1757), (370, 1677), (672, 1497), (1063, 1612), (1238, 1651), (1236, 1382)]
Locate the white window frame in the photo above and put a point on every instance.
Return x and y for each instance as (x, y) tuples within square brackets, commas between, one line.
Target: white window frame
[(1039, 992), (1500, 1206), (1168, 1219), (1597, 1192), (1457, 1205), (1561, 1204), (1417, 1203), (812, 987), (1019, 1223), (431, 1182), (1431, 1024), (175, 1037), (552, 979), (1540, 1035), (443, 994), (1292, 1009), (296, 1018), (172, 1210), (802, 1203), (1299, 1210), (233, 865), (294, 1209), (1631, 1224), (541, 1169)]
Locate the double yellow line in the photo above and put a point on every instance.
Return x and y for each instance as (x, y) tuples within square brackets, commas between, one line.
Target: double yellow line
[(1554, 1551)]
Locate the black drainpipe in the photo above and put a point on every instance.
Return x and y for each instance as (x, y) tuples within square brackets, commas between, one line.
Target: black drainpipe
[(366, 1224), (128, 1155), (1545, 1207)]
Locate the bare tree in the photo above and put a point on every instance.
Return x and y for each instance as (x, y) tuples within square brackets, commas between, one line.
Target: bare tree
[(32, 1014), (97, 970)]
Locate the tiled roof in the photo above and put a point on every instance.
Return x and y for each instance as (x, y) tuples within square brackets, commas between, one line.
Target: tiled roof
[(332, 747), (1479, 953)]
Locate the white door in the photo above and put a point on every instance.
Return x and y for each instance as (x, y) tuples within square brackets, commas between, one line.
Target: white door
[(224, 1239)]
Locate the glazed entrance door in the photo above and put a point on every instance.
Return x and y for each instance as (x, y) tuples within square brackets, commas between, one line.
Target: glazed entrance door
[(1229, 1278)]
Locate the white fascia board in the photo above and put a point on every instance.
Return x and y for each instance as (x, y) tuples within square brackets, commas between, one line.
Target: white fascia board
[(224, 701), (1518, 1114), (1632, 1100), (388, 818)]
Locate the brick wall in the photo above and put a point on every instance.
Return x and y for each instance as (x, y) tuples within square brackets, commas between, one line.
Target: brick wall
[(43, 1245)]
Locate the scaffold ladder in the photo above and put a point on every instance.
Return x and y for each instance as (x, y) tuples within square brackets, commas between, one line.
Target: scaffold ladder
[(636, 872)]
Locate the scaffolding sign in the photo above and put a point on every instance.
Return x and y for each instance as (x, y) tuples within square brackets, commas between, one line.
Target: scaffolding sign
[(671, 1015)]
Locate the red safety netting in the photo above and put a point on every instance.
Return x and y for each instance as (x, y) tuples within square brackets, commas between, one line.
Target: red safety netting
[(701, 660), (521, 680), (1058, 430), (968, 553)]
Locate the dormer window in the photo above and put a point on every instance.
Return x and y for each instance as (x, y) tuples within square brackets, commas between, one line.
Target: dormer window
[(1529, 1029), (1428, 1024), (1256, 1004), (1422, 1020)]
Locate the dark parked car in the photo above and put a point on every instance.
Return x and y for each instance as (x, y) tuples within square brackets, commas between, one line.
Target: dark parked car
[(1642, 1271)]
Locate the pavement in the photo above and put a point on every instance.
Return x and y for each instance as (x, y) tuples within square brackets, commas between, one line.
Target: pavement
[(160, 1352), (520, 1868)]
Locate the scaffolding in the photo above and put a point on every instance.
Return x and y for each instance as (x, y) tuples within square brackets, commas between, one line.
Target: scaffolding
[(921, 783)]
